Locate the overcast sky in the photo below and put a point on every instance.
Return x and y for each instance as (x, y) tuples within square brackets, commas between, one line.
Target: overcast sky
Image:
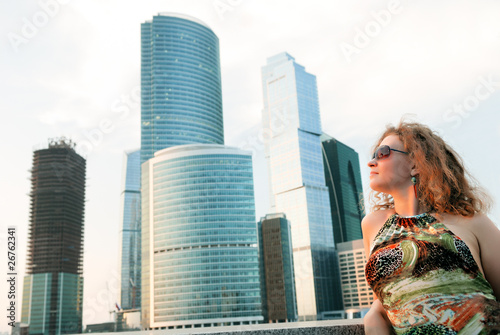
[(72, 68)]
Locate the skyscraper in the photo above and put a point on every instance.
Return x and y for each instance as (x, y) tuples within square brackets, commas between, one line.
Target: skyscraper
[(279, 303), (181, 99), (292, 121), (343, 178), (199, 238), (53, 286), (130, 234)]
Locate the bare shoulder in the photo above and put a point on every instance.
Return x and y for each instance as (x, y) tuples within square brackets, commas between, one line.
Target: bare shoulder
[(482, 220), (483, 228), (478, 225), (375, 220), (482, 237), (371, 224)]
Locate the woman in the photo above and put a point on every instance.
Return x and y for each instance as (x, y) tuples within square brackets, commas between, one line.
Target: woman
[(433, 255)]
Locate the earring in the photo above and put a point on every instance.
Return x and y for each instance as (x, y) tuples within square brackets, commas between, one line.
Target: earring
[(414, 182)]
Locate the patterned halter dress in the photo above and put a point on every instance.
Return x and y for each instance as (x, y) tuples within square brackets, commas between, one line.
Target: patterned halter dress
[(428, 281)]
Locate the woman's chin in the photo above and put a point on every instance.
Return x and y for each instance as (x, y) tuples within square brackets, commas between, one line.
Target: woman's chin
[(377, 187)]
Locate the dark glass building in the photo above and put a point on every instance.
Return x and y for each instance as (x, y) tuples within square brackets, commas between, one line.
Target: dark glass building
[(53, 286), (181, 96), (343, 178), (130, 234), (279, 303)]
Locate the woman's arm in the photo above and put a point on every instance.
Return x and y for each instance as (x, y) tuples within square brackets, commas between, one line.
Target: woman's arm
[(488, 237), (375, 321)]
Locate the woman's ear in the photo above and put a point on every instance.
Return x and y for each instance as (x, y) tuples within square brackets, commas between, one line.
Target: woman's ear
[(414, 171)]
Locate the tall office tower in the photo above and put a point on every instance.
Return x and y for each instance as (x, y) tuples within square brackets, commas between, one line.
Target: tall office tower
[(53, 286), (356, 292), (343, 178), (199, 238), (292, 122), (181, 97), (279, 303), (130, 234)]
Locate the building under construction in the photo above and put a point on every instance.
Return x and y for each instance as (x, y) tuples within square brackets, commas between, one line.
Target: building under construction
[(53, 286)]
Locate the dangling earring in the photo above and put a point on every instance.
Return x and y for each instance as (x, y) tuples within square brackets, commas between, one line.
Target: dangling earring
[(414, 182)]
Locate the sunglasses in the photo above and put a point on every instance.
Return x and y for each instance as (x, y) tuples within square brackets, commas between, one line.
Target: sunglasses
[(384, 151)]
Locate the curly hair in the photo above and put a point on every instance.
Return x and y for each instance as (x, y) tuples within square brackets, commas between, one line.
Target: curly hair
[(444, 185)]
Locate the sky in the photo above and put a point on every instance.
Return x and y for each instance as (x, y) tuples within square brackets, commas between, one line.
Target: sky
[(72, 68)]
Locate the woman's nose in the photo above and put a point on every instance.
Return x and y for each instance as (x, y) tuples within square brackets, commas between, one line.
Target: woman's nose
[(372, 163)]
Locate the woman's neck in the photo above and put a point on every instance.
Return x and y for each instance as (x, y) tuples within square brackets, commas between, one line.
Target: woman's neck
[(405, 203)]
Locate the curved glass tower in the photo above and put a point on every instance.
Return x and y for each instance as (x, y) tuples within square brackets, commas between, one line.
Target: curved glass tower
[(181, 99), (199, 238)]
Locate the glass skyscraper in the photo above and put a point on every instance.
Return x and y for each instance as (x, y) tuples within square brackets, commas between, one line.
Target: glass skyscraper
[(53, 286), (343, 178), (130, 234), (291, 119), (181, 99), (199, 238)]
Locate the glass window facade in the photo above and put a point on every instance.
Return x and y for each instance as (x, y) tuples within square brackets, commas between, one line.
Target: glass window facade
[(279, 303), (53, 286), (181, 99), (130, 234), (356, 292), (297, 181), (343, 178), (199, 238), (53, 303)]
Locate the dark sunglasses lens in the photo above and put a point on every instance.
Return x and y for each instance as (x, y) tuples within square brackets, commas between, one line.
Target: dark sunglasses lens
[(382, 152)]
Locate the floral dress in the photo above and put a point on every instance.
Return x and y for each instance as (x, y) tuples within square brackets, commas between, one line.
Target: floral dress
[(428, 281)]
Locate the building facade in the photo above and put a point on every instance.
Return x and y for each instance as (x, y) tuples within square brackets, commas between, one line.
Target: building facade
[(279, 303), (53, 286), (181, 97), (357, 294), (292, 123), (199, 238), (130, 233), (343, 178)]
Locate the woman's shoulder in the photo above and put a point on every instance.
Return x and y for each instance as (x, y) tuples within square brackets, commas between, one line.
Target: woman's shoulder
[(377, 216), (472, 223), (483, 239), (373, 221), (477, 229)]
